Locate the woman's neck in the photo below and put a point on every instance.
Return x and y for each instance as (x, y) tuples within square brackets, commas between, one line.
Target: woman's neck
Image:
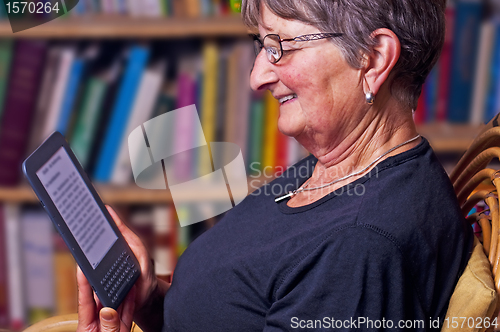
[(377, 133)]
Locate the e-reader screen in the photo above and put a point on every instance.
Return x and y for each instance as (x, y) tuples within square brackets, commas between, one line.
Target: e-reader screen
[(77, 207)]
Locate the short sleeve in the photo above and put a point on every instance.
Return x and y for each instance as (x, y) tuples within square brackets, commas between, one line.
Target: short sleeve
[(357, 279)]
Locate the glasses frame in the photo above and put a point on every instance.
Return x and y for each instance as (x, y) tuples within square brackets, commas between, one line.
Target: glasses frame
[(301, 38)]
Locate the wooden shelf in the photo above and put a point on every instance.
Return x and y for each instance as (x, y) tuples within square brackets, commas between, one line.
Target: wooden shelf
[(127, 27), (445, 137), (130, 194)]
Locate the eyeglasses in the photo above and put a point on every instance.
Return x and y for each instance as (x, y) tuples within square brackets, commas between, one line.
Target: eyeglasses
[(274, 49)]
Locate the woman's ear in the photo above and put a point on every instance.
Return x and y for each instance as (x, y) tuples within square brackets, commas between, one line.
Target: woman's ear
[(380, 62)]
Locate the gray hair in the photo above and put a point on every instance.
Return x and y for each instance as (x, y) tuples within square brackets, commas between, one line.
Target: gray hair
[(418, 24)]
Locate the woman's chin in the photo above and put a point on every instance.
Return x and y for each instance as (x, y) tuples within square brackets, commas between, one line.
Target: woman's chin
[(289, 129)]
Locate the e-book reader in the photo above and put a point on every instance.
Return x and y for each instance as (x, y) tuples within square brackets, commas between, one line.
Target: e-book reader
[(81, 218)]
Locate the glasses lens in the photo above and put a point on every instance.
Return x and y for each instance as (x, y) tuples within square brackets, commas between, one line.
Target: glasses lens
[(273, 48)]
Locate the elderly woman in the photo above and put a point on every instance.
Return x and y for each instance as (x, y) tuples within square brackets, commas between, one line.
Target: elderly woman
[(372, 236)]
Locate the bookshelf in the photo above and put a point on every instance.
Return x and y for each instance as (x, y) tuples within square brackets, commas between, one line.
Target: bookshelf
[(127, 27)]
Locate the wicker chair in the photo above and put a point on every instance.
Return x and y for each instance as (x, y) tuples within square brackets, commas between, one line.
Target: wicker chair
[(477, 291)]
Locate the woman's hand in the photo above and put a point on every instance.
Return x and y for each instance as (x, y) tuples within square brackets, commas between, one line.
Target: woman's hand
[(144, 299), (92, 317)]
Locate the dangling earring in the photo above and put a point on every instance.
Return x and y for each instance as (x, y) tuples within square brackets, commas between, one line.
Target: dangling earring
[(369, 96)]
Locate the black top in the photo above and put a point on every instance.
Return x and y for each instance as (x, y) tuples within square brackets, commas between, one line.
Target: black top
[(388, 247)]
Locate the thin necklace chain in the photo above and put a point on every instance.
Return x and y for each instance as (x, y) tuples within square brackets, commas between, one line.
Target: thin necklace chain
[(304, 187)]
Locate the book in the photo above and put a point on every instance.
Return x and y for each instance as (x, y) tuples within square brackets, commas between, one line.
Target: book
[(69, 96), (67, 57), (209, 102), (493, 86), (44, 97), (20, 100), (14, 267), (238, 95), (296, 151), (5, 61), (119, 116), (183, 131), (165, 234), (281, 158), (244, 93), (38, 269), (4, 295), (444, 64), (270, 128), (256, 135), (112, 76), (483, 67), (222, 113), (421, 111), (431, 94), (230, 91), (142, 110), (466, 36), (87, 120), (66, 290), (79, 73)]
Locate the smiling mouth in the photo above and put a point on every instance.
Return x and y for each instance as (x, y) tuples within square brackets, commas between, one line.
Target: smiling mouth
[(287, 98)]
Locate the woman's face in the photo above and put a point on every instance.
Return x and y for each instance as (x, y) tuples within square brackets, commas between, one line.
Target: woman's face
[(326, 94)]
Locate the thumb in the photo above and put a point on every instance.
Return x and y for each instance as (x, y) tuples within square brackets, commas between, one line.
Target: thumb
[(110, 322)]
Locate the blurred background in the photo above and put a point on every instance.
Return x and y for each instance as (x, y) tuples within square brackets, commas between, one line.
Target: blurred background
[(107, 66)]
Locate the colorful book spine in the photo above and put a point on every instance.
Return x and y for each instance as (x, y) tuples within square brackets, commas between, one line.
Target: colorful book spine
[(142, 111), (483, 67), (183, 130), (209, 101), (431, 94), (14, 266), (42, 104), (20, 100), (4, 289), (121, 111), (421, 111), (165, 233), (295, 151), (38, 270), (270, 127), (281, 157), (67, 105), (64, 278), (244, 93), (113, 77), (255, 140), (445, 67), (5, 61), (53, 114), (87, 120), (466, 37), (493, 84)]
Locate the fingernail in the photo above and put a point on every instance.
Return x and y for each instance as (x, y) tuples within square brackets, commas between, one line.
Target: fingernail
[(106, 315)]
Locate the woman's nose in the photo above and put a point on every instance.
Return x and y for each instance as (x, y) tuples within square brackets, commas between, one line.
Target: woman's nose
[(263, 72)]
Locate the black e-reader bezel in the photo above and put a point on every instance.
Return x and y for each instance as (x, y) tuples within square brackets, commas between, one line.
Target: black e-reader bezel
[(119, 249)]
